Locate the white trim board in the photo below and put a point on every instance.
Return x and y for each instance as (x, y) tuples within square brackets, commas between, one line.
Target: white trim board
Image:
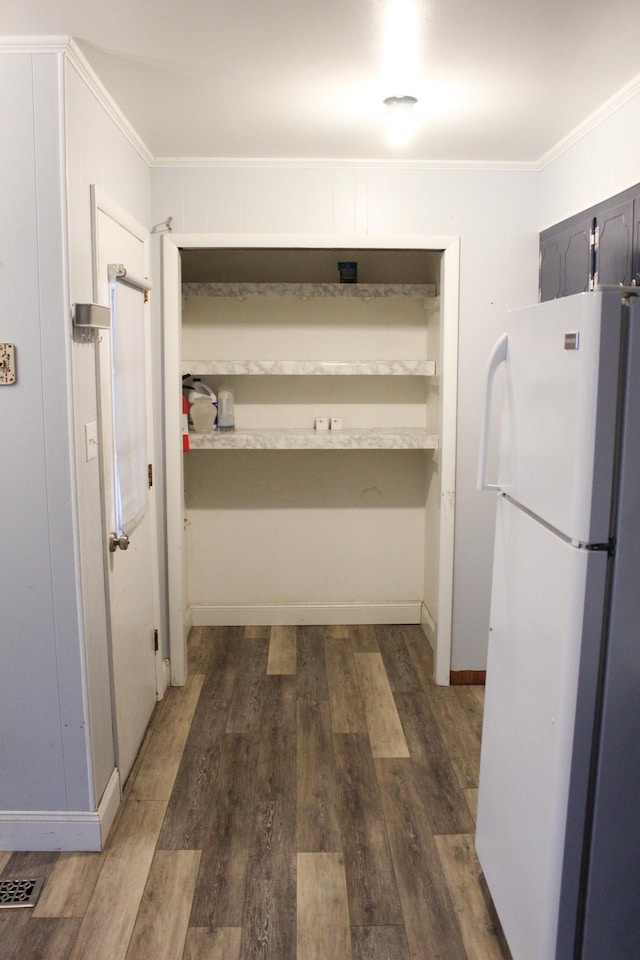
[(179, 610), (429, 626), (394, 163), (90, 78), (303, 613), (609, 107), (79, 830)]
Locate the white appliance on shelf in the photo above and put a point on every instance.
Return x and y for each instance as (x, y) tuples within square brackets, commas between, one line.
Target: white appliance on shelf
[(558, 829)]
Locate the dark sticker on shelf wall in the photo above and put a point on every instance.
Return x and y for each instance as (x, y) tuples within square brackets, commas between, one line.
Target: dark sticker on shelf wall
[(348, 270)]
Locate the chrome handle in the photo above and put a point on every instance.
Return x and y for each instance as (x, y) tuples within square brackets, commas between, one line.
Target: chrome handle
[(116, 542)]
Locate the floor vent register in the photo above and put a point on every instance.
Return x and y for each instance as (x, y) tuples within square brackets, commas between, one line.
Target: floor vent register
[(19, 893)]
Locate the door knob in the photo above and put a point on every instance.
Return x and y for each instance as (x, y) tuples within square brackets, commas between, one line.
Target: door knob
[(116, 542)]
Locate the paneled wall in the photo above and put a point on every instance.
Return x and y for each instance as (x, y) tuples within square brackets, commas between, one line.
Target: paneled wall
[(603, 162), (55, 708), (494, 212), (43, 752)]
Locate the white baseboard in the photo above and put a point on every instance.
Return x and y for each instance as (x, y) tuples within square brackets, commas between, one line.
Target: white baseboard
[(109, 803), (304, 613), (61, 829), (163, 676), (429, 626)]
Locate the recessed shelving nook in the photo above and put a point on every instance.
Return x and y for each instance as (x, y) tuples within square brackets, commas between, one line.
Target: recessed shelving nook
[(284, 523), (355, 320)]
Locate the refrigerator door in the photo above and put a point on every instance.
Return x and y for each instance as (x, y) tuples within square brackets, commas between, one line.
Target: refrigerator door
[(562, 374), (537, 631), (612, 901)]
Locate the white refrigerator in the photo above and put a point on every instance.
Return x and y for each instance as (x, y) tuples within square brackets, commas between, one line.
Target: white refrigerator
[(558, 828)]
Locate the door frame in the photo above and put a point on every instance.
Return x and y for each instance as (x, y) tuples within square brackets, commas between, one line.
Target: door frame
[(440, 634)]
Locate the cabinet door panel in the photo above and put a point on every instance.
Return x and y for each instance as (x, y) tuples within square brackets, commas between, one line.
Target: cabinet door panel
[(614, 250), (577, 261), (550, 269), (565, 258)]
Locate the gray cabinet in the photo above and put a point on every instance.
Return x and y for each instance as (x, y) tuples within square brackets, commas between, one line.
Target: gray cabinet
[(566, 254), (601, 245)]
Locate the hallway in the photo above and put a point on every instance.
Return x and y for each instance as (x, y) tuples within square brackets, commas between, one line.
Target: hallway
[(309, 794)]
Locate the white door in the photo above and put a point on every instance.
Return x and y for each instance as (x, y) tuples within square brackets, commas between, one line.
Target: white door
[(121, 259)]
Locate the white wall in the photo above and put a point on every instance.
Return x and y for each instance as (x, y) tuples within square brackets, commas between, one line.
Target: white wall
[(603, 162), (309, 528), (43, 752), (494, 213), (52, 608)]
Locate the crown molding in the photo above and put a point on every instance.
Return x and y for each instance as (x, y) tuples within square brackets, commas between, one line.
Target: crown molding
[(329, 162), (609, 107), (69, 48), (34, 44), (82, 66)]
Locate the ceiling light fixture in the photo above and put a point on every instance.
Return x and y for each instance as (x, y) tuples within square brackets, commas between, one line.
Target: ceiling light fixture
[(401, 119)]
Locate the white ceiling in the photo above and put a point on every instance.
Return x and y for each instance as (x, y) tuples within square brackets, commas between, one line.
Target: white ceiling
[(496, 80)]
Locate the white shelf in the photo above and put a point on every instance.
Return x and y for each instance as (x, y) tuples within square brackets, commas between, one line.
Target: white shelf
[(378, 368), (392, 438), (306, 291)]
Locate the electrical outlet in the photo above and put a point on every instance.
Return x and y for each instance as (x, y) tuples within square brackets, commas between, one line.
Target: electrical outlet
[(7, 363)]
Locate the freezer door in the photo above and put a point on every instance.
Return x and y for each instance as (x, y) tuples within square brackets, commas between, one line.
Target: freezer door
[(562, 374), (537, 631)]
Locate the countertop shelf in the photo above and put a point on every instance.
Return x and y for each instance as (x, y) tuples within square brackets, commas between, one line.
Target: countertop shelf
[(306, 291), (333, 368), (365, 438)]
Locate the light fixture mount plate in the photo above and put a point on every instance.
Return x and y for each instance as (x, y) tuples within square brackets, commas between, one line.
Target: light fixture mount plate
[(400, 101)]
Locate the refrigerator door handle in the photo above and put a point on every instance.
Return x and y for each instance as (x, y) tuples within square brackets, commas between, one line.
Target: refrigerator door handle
[(498, 356)]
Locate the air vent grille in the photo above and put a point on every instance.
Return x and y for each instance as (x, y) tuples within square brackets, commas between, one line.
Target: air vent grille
[(19, 893)]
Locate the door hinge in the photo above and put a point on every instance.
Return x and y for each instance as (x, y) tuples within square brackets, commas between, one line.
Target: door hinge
[(608, 547), (146, 296), (594, 246), (156, 645), (150, 475)]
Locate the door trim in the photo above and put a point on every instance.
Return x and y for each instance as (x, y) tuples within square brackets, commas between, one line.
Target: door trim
[(179, 615)]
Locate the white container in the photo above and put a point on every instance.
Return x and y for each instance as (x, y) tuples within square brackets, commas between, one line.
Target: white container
[(321, 423), (198, 390), (226, 415), (336, 423), (203, 414)]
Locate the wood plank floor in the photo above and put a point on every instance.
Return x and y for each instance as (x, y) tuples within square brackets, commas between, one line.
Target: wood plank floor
[(308, 795)]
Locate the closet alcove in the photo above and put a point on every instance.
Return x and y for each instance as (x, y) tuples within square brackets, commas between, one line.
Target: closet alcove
[(277, 522)]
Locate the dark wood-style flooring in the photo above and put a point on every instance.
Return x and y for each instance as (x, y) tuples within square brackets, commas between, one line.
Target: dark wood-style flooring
[(308, 795)]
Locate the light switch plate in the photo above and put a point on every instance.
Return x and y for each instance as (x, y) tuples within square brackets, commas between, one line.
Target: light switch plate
[(91, 440), (7, 363)]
